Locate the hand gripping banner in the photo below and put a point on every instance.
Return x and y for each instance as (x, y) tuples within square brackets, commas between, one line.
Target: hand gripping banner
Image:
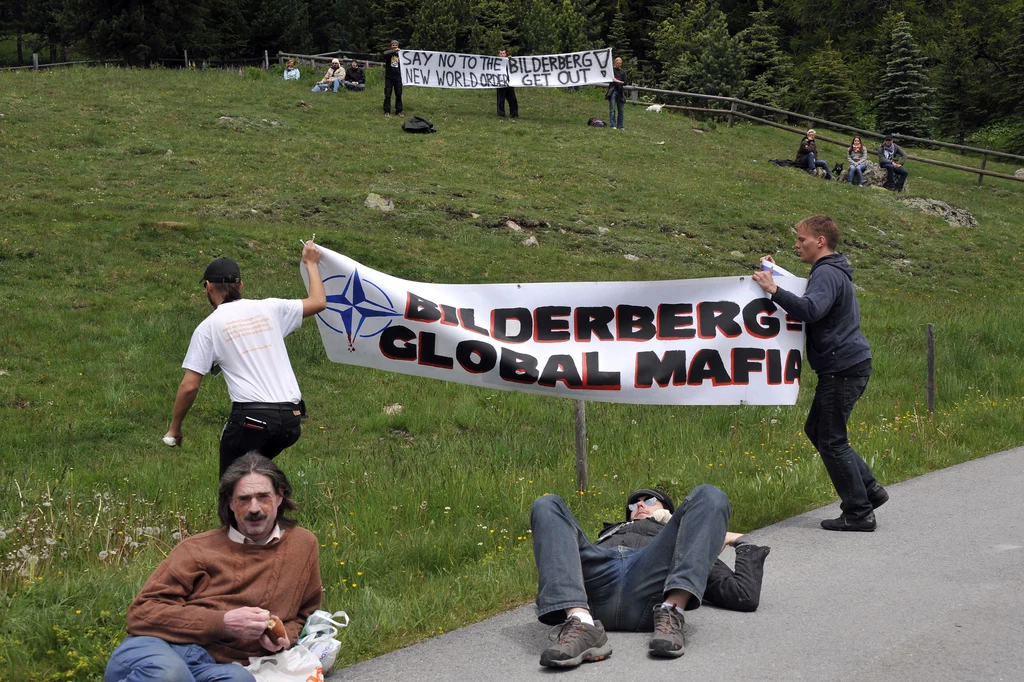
[(716, 341)]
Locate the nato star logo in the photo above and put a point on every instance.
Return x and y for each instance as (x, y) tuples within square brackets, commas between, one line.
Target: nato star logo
[(360, 303)]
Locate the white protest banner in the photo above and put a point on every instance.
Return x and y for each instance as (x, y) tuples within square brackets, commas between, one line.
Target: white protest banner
[(718, 341), (451, 70), (561, 70)]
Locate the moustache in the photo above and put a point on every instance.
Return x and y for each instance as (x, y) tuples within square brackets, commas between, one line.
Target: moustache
[(255, 516)]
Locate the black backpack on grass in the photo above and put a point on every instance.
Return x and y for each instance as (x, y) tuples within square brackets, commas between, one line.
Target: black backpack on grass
[(417, 124)]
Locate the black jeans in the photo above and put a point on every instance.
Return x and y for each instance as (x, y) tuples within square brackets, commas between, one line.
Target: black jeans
[(826, 428), (738, 590), (513, 103), (267, 430), (390, 85)]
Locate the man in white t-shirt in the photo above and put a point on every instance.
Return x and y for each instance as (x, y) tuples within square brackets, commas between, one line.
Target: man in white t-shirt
[(245, 339)]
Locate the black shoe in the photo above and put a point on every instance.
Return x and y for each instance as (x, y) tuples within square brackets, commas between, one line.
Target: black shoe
[(757, 552), (844, 522), (877, 495)]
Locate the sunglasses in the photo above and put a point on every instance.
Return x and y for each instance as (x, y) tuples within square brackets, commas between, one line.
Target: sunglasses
[(648, 502)]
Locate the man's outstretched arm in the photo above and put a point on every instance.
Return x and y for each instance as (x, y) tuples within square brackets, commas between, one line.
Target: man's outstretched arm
[(316, 302), (187, 391)]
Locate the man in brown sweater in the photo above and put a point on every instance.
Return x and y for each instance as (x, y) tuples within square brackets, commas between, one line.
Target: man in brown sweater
[(208, 603)]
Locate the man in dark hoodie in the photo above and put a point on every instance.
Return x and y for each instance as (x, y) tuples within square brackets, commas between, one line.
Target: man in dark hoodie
[(640, 574), (840, 354), (392, 79)]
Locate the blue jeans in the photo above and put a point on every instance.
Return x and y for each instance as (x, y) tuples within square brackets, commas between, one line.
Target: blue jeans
[(353, 85), (856, 174), (617, 102), (892, 170), (833, 403), (620, 585), (813, 163), (151, 659), (321, 87)]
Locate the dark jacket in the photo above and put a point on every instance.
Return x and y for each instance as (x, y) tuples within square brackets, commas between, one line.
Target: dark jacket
[(807, 146), (356, 75), (620, 74), (392, 66), (739, 591), (829, 307)]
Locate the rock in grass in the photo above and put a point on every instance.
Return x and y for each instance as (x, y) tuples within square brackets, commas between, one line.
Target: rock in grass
[(513, 225), (954, 215), (631, 257), (376, 201), (530, 241), (736, 254), (1019, 173), (603, 230)]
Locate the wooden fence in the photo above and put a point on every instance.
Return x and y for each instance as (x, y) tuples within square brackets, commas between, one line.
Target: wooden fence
[(733, 112)]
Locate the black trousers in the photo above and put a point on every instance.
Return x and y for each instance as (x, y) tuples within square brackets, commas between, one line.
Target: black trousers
[(739, 590), (267, 429), (390, 85), (513, 104)]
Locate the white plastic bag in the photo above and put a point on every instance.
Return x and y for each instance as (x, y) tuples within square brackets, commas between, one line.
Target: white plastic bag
[(318, 635), (297, 664)]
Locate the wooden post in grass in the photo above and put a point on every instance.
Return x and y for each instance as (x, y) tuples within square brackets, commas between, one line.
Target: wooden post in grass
[(266, 60), (732, 108), (186, 60), (931, 369), (984, 160), (581, 445), (35, 61)]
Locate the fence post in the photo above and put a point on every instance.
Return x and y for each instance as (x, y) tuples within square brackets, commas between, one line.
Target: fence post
[(186, 60), (731, 108), (931, 369), (984, 160), (266, 60), (635, 97), (581, 445), (35, 61)]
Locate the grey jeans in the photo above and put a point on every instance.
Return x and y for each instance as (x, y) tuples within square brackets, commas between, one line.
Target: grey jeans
[(620, 585)]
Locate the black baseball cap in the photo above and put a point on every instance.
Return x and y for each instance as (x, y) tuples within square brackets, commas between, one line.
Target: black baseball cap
[(222, 271), (644, 493)]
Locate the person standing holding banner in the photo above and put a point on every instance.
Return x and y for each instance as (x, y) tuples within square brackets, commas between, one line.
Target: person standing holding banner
[(840, 354), (392, 79), (507, 93), (617, 96)]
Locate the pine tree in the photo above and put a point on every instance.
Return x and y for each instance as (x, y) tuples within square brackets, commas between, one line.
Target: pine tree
[(534, 29), (1013, 61), (767, 70), (490, 22), (571, 27), (829, 89), (709, 62), (904, 95), (617, 35), (959, 84)]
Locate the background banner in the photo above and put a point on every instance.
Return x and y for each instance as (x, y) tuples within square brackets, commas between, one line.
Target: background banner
[(718, 341), (473, 71)]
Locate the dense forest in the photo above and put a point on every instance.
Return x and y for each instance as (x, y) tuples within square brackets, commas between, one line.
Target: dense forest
[(936, 68)]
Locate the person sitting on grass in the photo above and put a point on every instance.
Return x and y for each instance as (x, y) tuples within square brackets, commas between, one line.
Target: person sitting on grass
[(355, 79), (807, 155), (209, 604), (291, 73), (888, 154), (332, 79), (857, 157), (659, 552)]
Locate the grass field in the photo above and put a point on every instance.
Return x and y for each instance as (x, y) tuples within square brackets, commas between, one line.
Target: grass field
[(120, 188)]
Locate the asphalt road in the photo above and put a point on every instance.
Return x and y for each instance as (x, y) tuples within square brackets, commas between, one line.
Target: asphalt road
[(935, 593)]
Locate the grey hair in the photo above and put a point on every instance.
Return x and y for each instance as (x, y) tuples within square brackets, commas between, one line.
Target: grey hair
[(254, 463)]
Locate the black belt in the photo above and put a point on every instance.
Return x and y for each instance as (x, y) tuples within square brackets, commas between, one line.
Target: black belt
[(264, 406)]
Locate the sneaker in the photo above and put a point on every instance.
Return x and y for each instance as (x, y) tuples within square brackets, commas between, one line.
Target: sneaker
[(387, 115), (877, 495), (667, 640), (575, 643), (845, 522), (401, 115)]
